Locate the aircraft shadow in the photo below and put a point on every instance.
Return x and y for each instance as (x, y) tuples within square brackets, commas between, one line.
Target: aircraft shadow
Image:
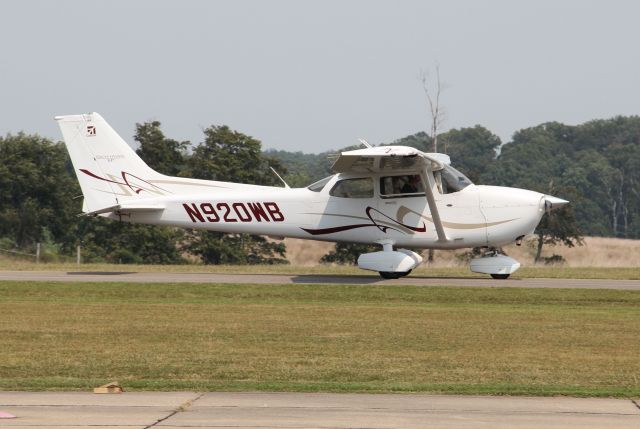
[(99, 273), (329, 279), (338, 279)]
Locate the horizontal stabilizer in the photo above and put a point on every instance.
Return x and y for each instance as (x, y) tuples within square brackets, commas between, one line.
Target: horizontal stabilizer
[(126, 208)]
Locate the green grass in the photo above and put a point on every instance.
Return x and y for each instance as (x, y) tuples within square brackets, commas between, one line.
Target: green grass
[(58, 336), (623, 273)]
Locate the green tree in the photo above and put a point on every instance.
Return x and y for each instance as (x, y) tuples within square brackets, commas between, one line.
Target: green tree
[(347, 253), (105, 240), (166, 156), (472, 150), (537, 158), (534, 157), (38, 191), (231, 156), (237, 249), (303, 168), (557, 226), (419, 140), (598, 159)]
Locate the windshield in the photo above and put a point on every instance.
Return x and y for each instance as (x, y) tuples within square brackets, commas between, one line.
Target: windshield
[(450, 180)]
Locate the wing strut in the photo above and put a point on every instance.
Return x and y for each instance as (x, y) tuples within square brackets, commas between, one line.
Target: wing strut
[(431, 200)]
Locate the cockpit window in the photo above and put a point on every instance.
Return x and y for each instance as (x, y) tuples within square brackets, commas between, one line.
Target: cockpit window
[(319, 185), (406, 185), (353, 188), (450, 180)]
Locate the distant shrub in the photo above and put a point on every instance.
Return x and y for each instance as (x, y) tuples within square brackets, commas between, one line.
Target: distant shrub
[(554, 260)]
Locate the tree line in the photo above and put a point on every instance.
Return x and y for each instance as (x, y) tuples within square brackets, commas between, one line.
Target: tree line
[(41, 200), (595, 165)]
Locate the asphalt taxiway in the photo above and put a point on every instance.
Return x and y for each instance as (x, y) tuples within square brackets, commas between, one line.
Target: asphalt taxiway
[(163, 277), (309, 410)]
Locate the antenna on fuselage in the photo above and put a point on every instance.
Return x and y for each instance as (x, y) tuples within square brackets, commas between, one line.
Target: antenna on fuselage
[(364, 142), (286, 185)]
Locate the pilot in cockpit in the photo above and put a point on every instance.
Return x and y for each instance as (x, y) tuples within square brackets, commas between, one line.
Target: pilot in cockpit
[(412, 184)]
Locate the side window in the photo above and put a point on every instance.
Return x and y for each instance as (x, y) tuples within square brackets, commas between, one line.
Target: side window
[(319, 185), (407, 185), (353, 188)]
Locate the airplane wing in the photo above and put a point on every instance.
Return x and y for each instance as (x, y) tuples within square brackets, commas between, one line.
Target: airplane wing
[(387, 158)]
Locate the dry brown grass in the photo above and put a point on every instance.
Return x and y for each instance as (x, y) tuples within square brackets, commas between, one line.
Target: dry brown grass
[(596, 252), (306, 253), (599, 252), (603, 258)]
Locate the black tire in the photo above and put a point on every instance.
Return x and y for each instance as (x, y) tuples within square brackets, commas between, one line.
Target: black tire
[(390, 275), (406, 273), (500, 276)]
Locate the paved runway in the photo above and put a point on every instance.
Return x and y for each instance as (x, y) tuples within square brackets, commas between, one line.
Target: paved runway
[(309, 410), (156, 277)]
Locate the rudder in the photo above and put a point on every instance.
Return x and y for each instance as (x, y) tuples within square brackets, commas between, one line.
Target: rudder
[(109, 171)]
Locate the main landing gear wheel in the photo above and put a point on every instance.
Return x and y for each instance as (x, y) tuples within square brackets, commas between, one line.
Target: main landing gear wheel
[(500, 276), (390, 275)]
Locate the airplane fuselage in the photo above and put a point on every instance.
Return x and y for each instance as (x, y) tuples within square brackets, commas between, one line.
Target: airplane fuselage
[(395, 196), (475, 216)]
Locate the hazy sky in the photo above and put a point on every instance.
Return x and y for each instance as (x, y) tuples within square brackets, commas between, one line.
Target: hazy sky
[(316, 75)]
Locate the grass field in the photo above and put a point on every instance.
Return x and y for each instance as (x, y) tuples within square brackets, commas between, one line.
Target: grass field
[(58, 336)]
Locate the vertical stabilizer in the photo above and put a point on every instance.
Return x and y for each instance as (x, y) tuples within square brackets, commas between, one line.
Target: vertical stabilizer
[(109, 171)]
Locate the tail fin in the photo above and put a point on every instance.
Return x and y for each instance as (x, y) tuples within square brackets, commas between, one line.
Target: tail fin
[(109, 171)]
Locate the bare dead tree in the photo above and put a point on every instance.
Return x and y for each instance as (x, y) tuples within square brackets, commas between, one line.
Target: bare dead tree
[(437, 116), (433, 100)]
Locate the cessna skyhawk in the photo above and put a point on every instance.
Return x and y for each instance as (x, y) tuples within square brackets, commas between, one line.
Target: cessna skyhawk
[(395, 196)]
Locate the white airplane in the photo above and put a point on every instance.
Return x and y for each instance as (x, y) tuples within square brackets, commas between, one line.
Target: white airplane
[(397, 197)]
